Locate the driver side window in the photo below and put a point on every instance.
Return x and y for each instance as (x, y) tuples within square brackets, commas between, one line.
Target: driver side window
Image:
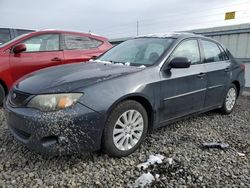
[(188, 49), (42, 43)]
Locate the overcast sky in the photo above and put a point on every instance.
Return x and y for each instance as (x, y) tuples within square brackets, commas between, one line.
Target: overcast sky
[(118, 18)]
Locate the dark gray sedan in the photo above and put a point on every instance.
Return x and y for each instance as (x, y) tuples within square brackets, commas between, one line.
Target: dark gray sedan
[(111, 103)]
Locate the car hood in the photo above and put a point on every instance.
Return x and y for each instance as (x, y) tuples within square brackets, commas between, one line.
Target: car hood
[(67, 78)]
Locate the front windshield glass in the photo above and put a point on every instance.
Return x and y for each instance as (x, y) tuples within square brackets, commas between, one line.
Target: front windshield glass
[(137, 52)]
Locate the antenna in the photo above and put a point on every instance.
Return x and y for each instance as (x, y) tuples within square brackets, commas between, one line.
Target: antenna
[(137, 28)]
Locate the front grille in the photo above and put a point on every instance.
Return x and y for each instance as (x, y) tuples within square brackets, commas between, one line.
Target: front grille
[(22, 134), (17, 98)]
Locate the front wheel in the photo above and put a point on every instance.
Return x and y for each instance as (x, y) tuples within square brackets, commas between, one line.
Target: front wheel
[(230, 100), (125, 129)]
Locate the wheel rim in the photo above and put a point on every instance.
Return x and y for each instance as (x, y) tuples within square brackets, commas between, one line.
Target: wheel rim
[(128, 130), (230, 99)]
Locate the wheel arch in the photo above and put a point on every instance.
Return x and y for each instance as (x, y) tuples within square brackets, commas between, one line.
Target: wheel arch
[(237, 84), (4, 86), (143, 100)]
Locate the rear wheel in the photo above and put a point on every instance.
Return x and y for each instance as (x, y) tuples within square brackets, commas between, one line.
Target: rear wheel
[(230, 100), (2, 94), (125, 129)]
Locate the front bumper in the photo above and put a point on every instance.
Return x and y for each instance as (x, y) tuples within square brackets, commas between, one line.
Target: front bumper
[(73, 130)]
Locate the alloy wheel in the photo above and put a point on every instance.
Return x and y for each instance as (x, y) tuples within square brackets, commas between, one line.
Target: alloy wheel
[(128, 130), (230, 99)]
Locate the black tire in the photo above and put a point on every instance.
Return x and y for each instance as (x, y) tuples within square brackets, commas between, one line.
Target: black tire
[(2, 94), (108, 145), (225, 109)]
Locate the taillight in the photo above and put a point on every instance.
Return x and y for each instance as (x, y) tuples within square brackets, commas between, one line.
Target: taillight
[(242, 66)]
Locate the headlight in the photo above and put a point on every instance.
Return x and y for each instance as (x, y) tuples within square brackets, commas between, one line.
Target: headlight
[(53, 102)]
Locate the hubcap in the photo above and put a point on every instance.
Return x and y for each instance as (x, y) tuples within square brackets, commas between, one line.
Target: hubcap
[(230, 99), (128, 130)]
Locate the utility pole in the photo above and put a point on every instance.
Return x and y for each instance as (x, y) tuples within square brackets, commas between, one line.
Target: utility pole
[(137, 28)]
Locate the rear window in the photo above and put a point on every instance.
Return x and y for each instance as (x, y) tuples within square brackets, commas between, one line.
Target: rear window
[(4, 35), (74, 42)]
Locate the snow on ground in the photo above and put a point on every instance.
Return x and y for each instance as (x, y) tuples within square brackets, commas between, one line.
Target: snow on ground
[(144, 179), (153, 159)]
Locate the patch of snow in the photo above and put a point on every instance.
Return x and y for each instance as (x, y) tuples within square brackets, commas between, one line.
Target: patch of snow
[(144, 179), (109, 62), (153, 159), (95, 34), (118, 64), (157, 176), (164, 35), (127, 63), (170, 161), (142, 67), (100, 61)]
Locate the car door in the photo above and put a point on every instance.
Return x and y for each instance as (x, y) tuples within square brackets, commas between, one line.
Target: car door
[(217, 67), (80, 48), (183, 89), (41, 51)]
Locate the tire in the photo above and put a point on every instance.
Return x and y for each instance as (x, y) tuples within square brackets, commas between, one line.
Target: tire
[(2, 94), (230, 100), (128, 136)]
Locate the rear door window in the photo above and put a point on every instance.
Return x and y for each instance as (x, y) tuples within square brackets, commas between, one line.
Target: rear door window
[(74, 42), (212, 53), (224, 54), (4, 35)]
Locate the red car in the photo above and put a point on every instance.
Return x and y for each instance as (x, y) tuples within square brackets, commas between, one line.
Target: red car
[(37, 50)]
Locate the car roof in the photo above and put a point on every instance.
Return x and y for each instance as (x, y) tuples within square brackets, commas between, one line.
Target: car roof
[(173, 35), (68, 32)]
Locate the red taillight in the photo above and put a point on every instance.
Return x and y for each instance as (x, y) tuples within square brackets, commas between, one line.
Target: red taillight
[(243, 67)]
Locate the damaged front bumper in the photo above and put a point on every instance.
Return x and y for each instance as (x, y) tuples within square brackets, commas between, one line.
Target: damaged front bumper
[(73, 130)]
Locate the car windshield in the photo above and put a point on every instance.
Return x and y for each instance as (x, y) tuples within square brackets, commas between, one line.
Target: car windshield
[(4, 44), (136, 52)]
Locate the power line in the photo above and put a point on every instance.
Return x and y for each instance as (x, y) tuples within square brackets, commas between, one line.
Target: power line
[(170, 19), (177, 14), (175, 26)]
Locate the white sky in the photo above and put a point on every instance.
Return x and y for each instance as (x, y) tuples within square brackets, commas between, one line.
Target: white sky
[(117, 18)]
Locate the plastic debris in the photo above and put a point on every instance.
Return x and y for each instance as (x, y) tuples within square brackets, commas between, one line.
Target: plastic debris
[(153, 159), (219, 145), (241, 154)]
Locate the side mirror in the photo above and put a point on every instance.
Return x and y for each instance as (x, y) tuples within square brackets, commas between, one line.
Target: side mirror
[(180, 62), (19, 48)]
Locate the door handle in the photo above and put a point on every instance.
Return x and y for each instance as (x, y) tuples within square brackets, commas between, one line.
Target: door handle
[(227, 69), (201, 75), (56, 59)]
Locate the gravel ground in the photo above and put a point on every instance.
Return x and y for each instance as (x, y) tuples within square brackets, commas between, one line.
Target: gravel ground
[(193, 166)]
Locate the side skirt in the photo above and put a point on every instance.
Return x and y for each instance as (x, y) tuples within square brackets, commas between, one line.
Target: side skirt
[(170, 121)]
